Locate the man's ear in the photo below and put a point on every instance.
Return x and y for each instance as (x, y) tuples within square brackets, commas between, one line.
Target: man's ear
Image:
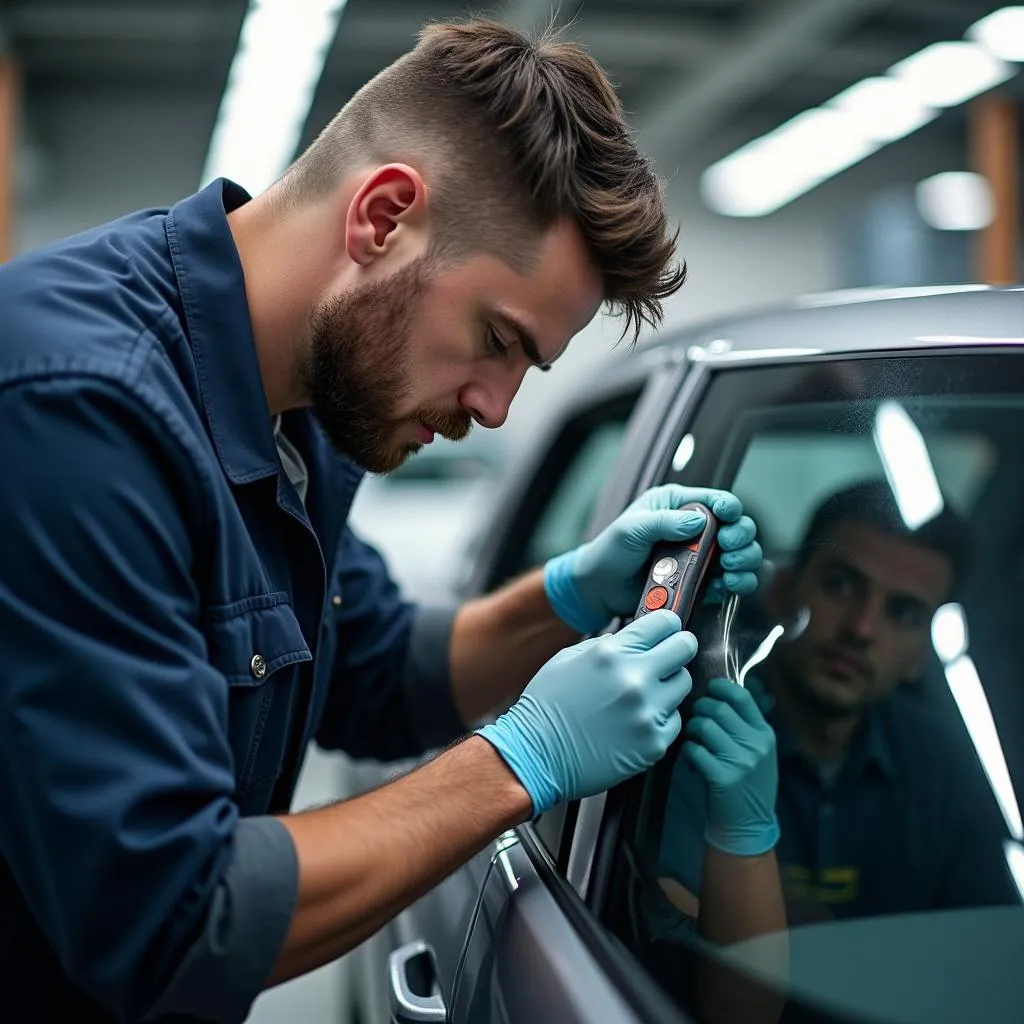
[(390, 205)]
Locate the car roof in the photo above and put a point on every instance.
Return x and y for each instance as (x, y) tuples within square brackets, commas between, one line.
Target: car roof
[(857, 320)]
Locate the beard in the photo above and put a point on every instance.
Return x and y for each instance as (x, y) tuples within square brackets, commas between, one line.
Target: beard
[(358, 374)]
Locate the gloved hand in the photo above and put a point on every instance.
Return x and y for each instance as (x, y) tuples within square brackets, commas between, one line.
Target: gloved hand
[(590, 585), (598, 712), (733, 747)]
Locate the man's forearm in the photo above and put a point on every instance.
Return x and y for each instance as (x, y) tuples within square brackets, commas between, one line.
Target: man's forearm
[(364, 860), (740, 897), (499, 643)]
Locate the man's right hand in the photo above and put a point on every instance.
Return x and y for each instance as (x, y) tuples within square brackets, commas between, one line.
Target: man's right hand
[(597, 713)]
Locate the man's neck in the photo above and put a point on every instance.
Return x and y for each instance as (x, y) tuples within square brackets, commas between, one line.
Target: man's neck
[(820, 737)]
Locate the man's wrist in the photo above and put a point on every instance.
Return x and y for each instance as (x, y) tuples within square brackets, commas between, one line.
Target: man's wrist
[(564, 597), (743, 842), (510, 795)]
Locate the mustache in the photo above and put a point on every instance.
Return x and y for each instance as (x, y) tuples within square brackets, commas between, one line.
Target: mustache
[(849, 653), (451, 424)]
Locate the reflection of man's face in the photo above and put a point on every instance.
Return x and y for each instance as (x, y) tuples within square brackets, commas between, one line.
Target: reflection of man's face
[(870, 598)]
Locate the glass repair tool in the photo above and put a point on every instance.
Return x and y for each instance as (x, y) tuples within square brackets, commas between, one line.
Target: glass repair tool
[(678, 573)]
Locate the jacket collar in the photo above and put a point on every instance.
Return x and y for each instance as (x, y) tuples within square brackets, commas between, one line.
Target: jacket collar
[(212, 286)]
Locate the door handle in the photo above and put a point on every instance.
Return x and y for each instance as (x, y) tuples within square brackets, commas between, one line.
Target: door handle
[(412, 982)]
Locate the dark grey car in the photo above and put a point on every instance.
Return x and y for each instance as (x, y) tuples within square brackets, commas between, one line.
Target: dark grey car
[(565, 919)]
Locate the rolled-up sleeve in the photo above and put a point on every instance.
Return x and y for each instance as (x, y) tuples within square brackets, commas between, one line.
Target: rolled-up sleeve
[(391, 695), (243, 930), (116, 774)]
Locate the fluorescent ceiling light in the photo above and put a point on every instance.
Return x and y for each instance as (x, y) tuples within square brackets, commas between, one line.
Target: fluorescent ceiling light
[(947, 74), (775, 168), (965, 685), (275, 71), (956, 201), (1001, 33), (907, 466), (883, 109)]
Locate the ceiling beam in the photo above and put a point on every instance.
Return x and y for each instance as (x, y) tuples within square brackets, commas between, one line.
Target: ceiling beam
[(119, 23), (781, 39)]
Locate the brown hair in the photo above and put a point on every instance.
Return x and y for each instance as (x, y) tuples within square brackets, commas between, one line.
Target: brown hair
[(514, 135)]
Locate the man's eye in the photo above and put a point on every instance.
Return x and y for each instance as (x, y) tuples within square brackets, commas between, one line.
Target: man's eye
[(838, 583), (907, 614), (495, 345)]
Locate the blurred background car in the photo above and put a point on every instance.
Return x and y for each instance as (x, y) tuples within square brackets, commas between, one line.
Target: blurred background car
[(807, 146)]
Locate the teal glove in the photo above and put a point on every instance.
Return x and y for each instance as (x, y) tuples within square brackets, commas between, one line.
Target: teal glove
[(589, 586), (598, 712), (733, 747)]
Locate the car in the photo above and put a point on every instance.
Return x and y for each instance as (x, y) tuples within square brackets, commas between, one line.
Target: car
[(563, 918)]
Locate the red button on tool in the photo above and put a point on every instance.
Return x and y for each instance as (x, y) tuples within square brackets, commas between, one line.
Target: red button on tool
[(657, 597)]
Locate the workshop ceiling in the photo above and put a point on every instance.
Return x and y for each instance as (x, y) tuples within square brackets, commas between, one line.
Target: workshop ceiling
[(688, 71)]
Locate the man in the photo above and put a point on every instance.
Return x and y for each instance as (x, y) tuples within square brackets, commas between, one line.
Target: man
[(182, 605), (881, 806)]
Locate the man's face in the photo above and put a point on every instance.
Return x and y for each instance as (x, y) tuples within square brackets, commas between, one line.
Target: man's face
[(870, 598), (431, 349)]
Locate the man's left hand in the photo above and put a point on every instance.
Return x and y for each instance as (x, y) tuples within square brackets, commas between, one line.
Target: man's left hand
[(592, 584)]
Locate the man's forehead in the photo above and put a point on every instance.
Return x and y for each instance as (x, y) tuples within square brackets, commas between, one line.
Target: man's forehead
[(897, 564)]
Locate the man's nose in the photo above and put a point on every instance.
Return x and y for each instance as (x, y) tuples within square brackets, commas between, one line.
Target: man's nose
[(488, 402), (864, 617)]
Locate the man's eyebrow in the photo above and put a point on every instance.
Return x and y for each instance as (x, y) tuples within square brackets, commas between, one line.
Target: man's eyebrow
[(526, 339)]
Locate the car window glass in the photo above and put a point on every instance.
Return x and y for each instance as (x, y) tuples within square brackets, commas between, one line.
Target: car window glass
[(883, 648), (563, 523)]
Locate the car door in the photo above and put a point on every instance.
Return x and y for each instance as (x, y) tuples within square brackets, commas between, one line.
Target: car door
[(546, 508), (882, 935)]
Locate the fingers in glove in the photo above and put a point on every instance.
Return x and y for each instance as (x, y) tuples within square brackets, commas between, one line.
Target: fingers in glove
[(669, 730), (732, 583), (708, 732), (737, 535), (704, 761), (674, 689), (747, 559), (739, 698), (725, 505), (646, 632), (669, 656), (646, 527), (724, 714)]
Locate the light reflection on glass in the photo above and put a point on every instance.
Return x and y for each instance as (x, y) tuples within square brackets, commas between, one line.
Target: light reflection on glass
[(907, 466), (1015, 862), (965, 685)]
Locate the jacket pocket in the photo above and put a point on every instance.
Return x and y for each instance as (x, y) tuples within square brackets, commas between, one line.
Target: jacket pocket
[(258, 646)]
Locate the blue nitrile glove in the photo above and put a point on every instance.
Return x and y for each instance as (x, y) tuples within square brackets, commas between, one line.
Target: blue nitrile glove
[(590, 585), (597, 713), (733, 747)]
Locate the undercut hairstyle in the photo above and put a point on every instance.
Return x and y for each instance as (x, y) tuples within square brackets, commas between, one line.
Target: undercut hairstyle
[(873, 504), (512, 135)]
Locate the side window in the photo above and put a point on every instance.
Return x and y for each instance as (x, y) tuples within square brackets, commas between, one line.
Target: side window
[(563, 522), (560, 499), (883, 651)]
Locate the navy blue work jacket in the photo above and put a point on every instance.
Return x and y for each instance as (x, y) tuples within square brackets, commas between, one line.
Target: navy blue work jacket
[(175, 627)]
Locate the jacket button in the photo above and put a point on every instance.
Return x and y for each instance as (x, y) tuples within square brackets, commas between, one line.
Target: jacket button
[(336, 600), (258, 666)]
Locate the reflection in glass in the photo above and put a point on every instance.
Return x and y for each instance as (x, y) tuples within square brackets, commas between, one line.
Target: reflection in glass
[(907, 466)]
